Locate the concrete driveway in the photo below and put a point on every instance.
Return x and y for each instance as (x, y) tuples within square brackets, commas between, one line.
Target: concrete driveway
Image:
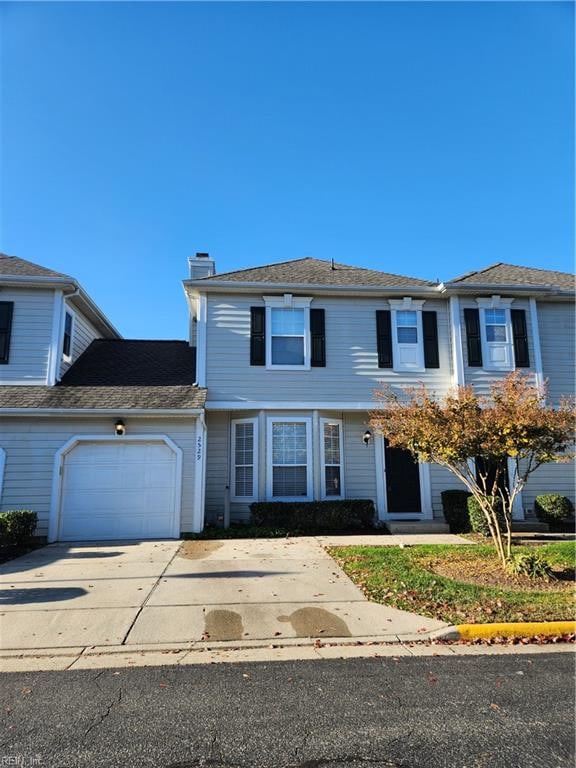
[(163, 592)]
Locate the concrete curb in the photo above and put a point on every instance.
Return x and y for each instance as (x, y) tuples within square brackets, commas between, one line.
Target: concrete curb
[(521, 629), (126, 657)]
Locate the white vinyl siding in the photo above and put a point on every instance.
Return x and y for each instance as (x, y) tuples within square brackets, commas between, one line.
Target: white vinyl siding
[(351, 372), (331, 459), (244, 451), (557, 323), (31, 444), (30, 337), (83, 335), (550, 478)]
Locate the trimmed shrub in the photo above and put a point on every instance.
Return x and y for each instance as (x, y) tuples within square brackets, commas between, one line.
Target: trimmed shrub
[(17, 526), (455, 508), (478, 522), (554, 509), (337, 515), (530, 564)]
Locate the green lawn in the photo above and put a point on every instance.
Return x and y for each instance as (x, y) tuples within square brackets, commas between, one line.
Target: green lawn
[(403, 578)]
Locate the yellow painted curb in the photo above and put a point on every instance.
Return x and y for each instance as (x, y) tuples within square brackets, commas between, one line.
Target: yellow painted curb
[(517, 629)]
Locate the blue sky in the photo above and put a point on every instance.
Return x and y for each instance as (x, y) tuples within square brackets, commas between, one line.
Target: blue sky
[(420, 138)]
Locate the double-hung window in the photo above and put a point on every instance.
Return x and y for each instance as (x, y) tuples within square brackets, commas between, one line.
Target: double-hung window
[(496, 334), (496, 325), (407, 336), (331, 455), (287, 332), (289, 448), (288, 336), (244, 470)]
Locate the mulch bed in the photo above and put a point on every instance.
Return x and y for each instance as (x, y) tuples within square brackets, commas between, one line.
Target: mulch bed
[(487, 572), (11, 551)]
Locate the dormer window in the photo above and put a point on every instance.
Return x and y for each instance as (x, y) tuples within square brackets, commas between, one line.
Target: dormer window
[(67, 342)]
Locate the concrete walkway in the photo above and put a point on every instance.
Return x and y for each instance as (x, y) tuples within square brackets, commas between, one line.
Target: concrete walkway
[(161, 593)]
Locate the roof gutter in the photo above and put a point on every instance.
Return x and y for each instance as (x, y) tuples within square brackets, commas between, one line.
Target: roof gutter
[(112, 412), (492, 288), (227, 286), (72, 288)]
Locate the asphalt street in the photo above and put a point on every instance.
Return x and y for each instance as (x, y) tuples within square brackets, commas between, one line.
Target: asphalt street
[(417, 712)]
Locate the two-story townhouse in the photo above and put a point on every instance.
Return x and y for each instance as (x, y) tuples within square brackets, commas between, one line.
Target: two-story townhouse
[(102, 437), (507, 317), (292, 353), (106, 438)]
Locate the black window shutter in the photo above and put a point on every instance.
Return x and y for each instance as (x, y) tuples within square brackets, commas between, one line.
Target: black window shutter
[(472, 320), (384, 338), (6, 311), (317, 338), (430, 329), (257, 335), (520, 335)]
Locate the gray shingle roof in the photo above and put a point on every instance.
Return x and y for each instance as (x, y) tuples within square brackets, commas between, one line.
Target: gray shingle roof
[(509, 274), (103, 397), (133, 362), (14, 266), (118, 374), (309, 271)]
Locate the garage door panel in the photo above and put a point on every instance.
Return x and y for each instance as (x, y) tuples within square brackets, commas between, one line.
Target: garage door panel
[(114, 491)]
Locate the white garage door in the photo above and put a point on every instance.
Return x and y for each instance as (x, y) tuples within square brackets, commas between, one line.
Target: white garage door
[(119, 491)]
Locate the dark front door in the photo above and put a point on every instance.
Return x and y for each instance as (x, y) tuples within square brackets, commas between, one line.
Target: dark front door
[(402, 482), (492, 475)]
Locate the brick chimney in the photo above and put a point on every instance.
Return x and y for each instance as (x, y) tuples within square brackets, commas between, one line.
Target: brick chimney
[(201, 265)]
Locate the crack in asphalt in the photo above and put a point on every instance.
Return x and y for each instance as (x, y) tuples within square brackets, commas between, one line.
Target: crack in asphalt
[(322, 762), (105, 714)]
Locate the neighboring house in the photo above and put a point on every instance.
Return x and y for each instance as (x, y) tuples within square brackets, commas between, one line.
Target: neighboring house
[(106, 438), (102, 437), (291, 354)]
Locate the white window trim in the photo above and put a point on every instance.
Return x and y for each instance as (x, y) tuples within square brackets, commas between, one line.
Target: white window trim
[(53, 372), (309, 457), (496, 302), (68, 311), (287, 301), (2, 468), (400, 305), (201, 310), (254, 496), (342, 494)]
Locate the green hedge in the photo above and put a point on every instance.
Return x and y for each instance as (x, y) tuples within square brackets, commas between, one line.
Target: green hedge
[(337, 515), (553, 508), (478, 522), (455, 508), (17, 526)]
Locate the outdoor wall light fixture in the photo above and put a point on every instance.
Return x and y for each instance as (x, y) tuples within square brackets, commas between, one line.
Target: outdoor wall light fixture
[(120, 428), (366, 437)]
